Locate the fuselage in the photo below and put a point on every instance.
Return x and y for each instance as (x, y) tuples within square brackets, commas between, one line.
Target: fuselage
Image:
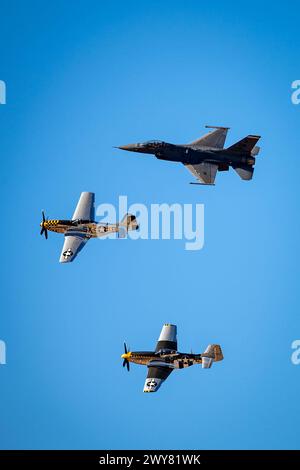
[(188, 154), (175, 359), (89, 228)]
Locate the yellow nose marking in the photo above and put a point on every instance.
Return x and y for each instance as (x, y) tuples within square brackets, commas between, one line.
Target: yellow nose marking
[(126, 356)]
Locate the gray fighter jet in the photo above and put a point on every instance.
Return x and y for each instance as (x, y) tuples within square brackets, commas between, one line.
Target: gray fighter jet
[(205, 156), (82, 227), (166, 358)]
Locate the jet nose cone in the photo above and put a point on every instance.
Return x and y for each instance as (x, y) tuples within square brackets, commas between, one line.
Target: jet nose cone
[(129, 147)]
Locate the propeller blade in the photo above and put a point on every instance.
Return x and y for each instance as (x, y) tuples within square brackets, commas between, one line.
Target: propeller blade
[(44, 230), (126, 362)]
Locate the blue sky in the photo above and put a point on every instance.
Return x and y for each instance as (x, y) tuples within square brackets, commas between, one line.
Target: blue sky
[(84, 77)]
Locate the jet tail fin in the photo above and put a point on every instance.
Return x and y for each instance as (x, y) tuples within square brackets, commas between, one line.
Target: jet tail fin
[(244, 146)]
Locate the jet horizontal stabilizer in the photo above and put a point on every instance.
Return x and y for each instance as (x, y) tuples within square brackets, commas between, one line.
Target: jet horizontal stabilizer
[(245, 172), (255, 151)]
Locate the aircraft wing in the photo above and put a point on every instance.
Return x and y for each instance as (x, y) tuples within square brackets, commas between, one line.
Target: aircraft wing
[(167, 338), (158, 372), (85, 207), (204, 172), (74, 242), (215, 139)]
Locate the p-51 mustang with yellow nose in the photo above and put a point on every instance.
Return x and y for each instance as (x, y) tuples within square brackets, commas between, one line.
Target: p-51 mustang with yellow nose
[(82, 227), (166, 358)]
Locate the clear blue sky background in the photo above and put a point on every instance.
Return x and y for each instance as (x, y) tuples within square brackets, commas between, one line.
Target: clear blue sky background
[(87, 75)]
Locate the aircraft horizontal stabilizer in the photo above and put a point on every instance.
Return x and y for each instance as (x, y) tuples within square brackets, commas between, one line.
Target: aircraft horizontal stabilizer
[(207, 362), (245, 172), (255, 151)]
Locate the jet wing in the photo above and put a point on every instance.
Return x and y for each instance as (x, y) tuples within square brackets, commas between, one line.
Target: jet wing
[(167, 338), (215, 139), (74, 242), (85, 207), (204, 172), (158, 372)]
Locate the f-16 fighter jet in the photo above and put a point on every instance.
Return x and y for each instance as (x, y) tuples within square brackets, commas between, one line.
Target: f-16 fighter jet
[(205, 156), (81, 227), (166, 358)]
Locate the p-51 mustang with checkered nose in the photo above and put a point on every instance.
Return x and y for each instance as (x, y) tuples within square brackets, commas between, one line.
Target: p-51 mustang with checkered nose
[(205, 156), (166, 358), (82, 227)]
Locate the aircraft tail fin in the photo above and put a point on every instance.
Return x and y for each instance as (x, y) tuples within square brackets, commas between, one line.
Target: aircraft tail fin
[(129, 222), (245, 146), (213, 353)]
